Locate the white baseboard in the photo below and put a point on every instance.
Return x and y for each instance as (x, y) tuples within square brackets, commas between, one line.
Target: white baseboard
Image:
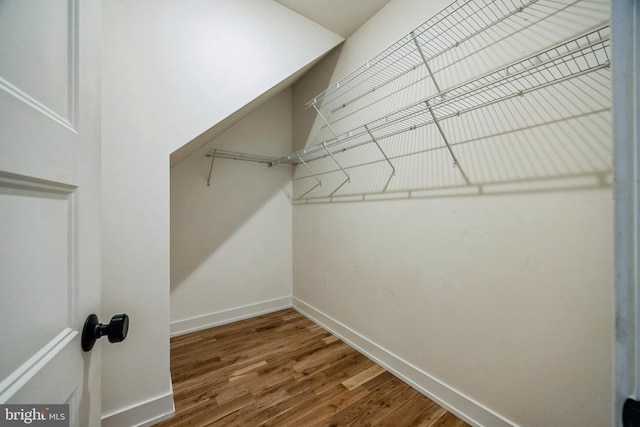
[(144, 414), (454, 401), (185, 326)]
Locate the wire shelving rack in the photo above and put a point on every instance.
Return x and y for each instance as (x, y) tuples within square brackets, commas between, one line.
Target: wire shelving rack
[(584, 54), (432, 44), (456, 24)]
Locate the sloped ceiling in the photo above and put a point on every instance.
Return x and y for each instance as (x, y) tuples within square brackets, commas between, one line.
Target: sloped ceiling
[(221, 60), (343, 17)]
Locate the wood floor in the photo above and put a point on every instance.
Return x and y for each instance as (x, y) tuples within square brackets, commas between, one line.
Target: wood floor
[(281, 369)]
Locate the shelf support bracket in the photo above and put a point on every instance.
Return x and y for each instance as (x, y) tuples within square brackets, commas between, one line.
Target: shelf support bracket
[(309, 169), (393, 173), (324, 144), (213, 157), (426, 63), (446, 141), (308, 191), (324, 119), (338, 187)]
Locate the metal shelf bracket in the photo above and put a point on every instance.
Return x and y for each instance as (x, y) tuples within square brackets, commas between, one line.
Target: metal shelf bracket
[(424, 59), (309, 169), (315, 107), (324, 144), (393, 173), (213, 157), (446, 141), (235, 155)]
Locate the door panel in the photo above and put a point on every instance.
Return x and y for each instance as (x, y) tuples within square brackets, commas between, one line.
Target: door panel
[(49, 203), (40, 55), (36, 258)]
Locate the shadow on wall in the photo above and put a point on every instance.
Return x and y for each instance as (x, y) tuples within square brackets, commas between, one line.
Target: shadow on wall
[(564, 150), (204, 218), (474, 120), (304, 124)]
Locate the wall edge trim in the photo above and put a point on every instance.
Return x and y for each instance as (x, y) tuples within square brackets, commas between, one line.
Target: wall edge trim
[(142, 414), (446, 396), (210, 320)]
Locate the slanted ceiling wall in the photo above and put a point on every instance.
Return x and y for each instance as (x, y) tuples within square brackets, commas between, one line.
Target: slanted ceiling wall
[(231, 241), (171, 71), (494, 298)]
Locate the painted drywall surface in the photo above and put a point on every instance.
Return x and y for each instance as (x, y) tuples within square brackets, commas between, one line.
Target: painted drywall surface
[(502, 290), (171, 70), (198, 61), (136, 264), (231, 241), (504, 298)]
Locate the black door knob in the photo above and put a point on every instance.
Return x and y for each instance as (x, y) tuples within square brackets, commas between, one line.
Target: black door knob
[(116, 330)]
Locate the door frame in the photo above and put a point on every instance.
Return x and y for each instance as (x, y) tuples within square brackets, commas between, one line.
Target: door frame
[(625, 17)]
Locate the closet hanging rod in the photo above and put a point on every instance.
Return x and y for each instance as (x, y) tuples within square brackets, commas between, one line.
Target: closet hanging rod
[(236, 155), (578, 56), (451, 27)]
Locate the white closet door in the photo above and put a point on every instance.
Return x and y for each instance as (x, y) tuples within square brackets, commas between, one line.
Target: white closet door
[(49, 203)]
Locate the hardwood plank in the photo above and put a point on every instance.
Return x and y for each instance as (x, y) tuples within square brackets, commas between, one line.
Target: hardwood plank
[(307, 410), (327, 354), (363, 377), (330, 339), (409, 412), (328, 407), (361, 409), (430, 418), (241, 372), (378, 381), (387, 405), (281, 369), (449, 420), (339, 372)]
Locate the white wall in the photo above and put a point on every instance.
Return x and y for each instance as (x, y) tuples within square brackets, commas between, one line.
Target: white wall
[(171, 70), (231, 241), (498, 295)]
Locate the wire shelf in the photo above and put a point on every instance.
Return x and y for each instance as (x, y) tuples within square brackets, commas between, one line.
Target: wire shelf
[(581, 55), (453, 26), (383, 99)]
